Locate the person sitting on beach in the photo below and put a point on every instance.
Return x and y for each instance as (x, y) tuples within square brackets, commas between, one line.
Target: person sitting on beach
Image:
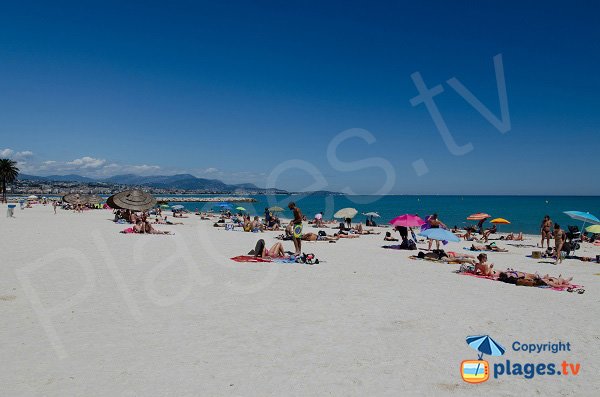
[(388, 237), (276, 251), (318, 222), (483, 268), (486, 234), (487, 247), (257, 226), (468, 236), (151, 230)]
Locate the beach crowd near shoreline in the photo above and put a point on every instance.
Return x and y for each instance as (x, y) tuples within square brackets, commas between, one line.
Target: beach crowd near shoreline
[(376, 270)]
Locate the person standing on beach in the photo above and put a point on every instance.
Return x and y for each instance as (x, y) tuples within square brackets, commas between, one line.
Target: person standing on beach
[(435, 223), (545, 230), (296, 225), (559, 240), (54, 205)]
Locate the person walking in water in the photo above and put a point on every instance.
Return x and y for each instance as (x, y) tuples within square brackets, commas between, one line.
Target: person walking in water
[(296, 225), (545, 230)]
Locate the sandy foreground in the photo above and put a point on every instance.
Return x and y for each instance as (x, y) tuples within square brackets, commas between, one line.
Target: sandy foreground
[(87, 311)]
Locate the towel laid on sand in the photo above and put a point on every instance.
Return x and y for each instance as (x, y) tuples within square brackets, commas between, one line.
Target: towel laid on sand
[(249, 259)]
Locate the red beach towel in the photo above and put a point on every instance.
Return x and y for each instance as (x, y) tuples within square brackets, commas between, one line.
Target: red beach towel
[(249, 258)]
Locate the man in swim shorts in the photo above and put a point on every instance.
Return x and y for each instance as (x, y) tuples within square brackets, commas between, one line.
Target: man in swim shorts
[(296, 224)]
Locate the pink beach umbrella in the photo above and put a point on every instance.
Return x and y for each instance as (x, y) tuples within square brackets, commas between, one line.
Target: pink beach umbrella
[(407, 220)]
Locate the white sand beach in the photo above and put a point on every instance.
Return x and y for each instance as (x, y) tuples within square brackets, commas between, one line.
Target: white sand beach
[(88, 311)]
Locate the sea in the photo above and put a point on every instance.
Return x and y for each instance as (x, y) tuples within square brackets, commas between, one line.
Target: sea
[(525, 213)]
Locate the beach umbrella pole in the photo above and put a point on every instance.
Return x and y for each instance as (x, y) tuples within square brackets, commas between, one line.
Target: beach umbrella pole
[(478, 364)]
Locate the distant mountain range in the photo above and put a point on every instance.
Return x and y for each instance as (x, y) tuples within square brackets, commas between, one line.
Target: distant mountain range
[(175, 182)]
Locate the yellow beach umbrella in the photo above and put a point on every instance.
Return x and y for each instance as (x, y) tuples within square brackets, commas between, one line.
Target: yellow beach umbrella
[(593, 229), (500, 221)]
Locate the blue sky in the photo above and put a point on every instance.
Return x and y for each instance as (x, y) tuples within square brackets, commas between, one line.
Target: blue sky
[(234, 90)]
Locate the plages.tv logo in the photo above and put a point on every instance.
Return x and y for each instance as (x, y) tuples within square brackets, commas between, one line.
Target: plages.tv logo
[(478, 371)]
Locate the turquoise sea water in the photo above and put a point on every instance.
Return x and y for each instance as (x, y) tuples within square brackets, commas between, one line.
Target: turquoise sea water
[(524, 212)]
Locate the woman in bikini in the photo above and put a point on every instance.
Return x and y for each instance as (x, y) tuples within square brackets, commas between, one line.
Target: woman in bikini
[(488, 247), (545, 230), (483, 268), (276, 251)]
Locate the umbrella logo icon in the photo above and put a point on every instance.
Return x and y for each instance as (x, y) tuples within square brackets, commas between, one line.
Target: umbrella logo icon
[(478, 371)]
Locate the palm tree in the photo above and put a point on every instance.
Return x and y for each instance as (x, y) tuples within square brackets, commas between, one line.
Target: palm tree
[(8, 174)]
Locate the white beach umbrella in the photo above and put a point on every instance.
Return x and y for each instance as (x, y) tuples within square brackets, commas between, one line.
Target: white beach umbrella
[(346, 213)]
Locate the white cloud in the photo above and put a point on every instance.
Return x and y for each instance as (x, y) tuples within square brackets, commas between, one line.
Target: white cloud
[(23, 155), (87, 162), (94, 167), (6, 153)]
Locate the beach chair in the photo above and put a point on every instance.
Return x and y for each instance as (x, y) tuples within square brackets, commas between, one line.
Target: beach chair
[(573, 239)]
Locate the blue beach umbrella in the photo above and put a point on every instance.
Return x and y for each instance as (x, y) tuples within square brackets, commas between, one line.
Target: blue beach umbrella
[(485, 345), (439, 234), (585, 217), (177, 207)]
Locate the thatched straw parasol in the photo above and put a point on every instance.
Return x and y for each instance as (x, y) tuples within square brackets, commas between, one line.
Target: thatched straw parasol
[(135, 200), (73, 198), (93, 199)]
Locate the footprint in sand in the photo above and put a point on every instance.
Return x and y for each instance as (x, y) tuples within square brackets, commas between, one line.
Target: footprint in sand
[(7, 297)]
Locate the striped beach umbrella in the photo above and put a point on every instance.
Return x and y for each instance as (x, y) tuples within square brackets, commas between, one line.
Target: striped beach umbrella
[(478, 216), (485, 345)]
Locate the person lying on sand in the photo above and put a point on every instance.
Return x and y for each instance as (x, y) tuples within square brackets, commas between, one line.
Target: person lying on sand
[(511, 236), (487, 247), (448, 257), (166, 222), (318, 237), (388, 237), (557, 282), (359, 230), (346, 235), (533, 280)]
